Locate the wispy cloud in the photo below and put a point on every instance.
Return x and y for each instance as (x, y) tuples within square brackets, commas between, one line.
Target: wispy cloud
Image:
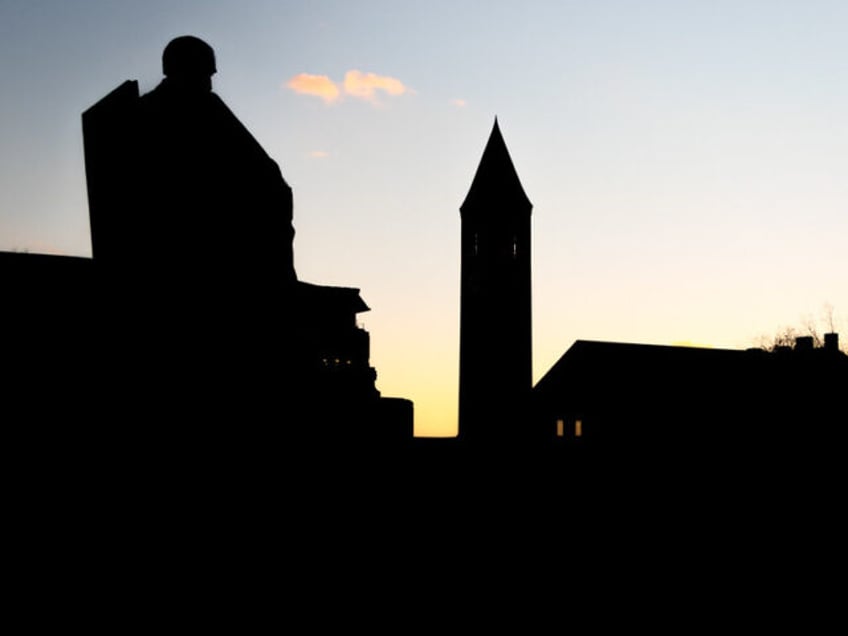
[(315, 85), (459, 103), (365, 86)]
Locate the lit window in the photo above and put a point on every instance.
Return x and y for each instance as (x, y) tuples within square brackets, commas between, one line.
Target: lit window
[(560, 428), (578, 428), (514, 247)]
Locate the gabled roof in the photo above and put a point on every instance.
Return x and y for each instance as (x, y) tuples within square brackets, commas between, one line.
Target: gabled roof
[(608, 361), (496, 184), (619, 376), (634, 377), (583, 350)]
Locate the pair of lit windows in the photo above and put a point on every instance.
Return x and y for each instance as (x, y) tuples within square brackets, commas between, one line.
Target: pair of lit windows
[(578, 428)]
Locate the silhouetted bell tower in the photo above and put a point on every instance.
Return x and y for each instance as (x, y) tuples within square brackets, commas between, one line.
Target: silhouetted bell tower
[(495, 353)]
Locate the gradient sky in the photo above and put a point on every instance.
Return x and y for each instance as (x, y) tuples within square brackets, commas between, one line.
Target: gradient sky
[(687, 160)]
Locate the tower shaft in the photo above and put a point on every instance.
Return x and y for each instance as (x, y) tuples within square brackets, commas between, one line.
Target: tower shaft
[(495, 309)]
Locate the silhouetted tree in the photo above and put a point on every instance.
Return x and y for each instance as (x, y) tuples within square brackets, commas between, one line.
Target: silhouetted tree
[(783, 337), (809, 326)]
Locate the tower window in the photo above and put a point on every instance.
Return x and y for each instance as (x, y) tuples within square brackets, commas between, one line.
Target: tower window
[(514, 247), (560, 430), (578, 428)]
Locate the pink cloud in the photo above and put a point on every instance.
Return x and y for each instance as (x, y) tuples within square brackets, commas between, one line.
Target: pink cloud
[(366, 85), (459, 103), (315, 85)]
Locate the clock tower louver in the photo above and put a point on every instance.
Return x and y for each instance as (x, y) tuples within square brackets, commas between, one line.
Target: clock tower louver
[(495, 358)]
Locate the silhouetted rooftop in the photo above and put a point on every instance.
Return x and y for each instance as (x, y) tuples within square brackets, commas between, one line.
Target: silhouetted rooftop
[(324, 297), (633, 353), (642, 383)]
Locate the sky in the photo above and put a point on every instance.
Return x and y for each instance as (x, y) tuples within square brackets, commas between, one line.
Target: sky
[(687, 160)]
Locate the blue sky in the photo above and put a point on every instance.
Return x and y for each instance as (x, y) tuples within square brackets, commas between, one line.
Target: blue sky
[(687, 161)]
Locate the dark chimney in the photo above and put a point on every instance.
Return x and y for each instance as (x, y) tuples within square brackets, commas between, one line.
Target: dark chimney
[(804, 343), (831, 341)]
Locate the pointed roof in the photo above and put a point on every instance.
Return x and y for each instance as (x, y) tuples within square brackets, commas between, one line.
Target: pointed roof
[(496, 181)]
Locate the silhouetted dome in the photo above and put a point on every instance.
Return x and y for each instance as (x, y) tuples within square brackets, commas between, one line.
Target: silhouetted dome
[(188, 56)]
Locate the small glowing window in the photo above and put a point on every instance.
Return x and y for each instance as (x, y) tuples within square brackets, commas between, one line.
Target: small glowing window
[(578, 428), (560, 428), (514, 247)]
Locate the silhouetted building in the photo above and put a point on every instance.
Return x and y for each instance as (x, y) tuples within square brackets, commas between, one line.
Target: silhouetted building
[(178, 186), (495, 356), (632, 398), (48, 349), (332, 380), (189, 317), (617, 399)]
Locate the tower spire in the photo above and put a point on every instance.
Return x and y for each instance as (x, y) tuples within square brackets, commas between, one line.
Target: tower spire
[(496, 177)]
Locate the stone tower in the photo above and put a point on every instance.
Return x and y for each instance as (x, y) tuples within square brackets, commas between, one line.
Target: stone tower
[(495, 359)]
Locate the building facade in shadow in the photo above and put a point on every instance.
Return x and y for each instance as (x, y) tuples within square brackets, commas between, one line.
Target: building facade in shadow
[(190, 317), (188, 205), (615, 398)]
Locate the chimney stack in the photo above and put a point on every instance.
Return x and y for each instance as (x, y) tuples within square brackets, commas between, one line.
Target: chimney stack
[(804, 343), (831, 341)]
